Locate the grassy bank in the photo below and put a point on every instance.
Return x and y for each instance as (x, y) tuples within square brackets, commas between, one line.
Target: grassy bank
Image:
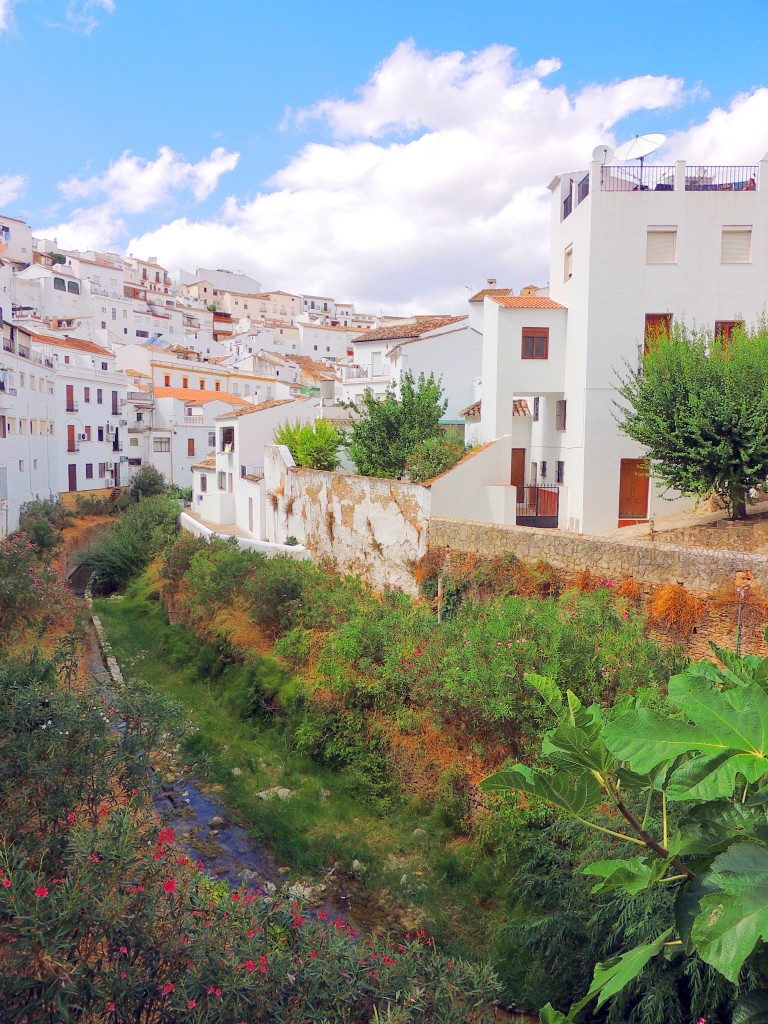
[(436, 878)]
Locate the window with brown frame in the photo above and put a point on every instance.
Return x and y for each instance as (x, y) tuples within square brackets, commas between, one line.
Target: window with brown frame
[(724, 330), (535, 343), (657, 325)]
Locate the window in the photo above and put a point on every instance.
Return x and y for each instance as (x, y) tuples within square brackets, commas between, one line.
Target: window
[(102, 469), (99, 433), (104, 310), (142, 334), (560, 415), (134, 442), (203, 481), (724, 329), (217, 386), (34, 463), (87, 433), (202, 384), (221, 481), (114, 313), (99, 396), (568, 264), (543, 469), (536, 409), (167, 380), (661, 245), (560, 473), (73, 287), (535, 343), (139, 417), (185, 382), (89, 471), (115, 405), (190, 446), (657, 325), (736, 245), (161, 444), (125, 314), (21, 465), (104, 366), (103, 325), (59, 284), (211, 438), (86, 394)]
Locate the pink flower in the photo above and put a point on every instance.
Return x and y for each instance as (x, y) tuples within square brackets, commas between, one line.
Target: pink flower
[(7, 883), (166, 835), (95, 858), (71, 817), (167, 989), (191, 1004), (41, 891), (169, 885)]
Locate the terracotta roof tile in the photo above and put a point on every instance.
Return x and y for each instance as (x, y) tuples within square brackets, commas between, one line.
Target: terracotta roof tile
[(271, 403), (519, 408), (194, 397), (479, 296), (526, 302), (80, 344), (397, 332), (209, 463)]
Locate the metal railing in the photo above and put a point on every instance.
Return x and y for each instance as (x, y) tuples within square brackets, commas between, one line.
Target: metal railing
[(8, 345), (567, 205), (73, 446), (582, 190), (721, 179), (637, 179), (256, 472), (364, 372), (72, 407), (538, 505)]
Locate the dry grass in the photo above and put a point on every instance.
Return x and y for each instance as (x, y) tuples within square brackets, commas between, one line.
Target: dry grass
[(585, 581), (673, 607), (629, 587)]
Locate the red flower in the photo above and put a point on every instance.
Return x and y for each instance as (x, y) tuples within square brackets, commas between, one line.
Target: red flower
[(250, 965), (41, 891), (191, 1004), (95, 858), (314, 955), (166, 835), (7, 883), (166, 989), (169, 885), (251, 933), (235, 896)]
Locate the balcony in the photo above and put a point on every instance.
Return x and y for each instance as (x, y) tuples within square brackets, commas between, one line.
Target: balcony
[(73, 446), (8, 345), (72, 407), (679, 177), (194, 421), (372, 372), (251, 472)]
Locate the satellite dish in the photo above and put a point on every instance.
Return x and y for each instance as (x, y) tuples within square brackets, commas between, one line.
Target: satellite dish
[(639, 147), (602, 154)]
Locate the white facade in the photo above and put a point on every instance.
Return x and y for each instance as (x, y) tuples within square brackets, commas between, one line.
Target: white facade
[(631, 248)]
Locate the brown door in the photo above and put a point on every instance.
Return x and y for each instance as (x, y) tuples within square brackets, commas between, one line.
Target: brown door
[(72, 477), (70, 398), (117, 474), (71, 443), (633, 489), (517, 472)]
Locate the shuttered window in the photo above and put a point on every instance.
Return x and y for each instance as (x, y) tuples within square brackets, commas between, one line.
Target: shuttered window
[(560, 415), (736, 246), (661, 245)]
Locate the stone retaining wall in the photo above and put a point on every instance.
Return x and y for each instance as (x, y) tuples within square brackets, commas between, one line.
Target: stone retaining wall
[(698, 568), (729, 536)]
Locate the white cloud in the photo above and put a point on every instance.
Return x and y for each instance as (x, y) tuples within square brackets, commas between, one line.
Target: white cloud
[(12, 187), (83, 15), (132, 185), (6, 15), (436, 179)]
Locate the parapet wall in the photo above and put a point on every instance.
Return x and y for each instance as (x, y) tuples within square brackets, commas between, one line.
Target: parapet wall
[(698, 568)]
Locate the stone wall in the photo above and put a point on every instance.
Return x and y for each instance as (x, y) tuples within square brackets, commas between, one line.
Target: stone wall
[(726, 534), (698, 568), (376, 528)]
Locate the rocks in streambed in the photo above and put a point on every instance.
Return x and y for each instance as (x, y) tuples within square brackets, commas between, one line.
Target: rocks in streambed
[(275, 793), (216, 822)]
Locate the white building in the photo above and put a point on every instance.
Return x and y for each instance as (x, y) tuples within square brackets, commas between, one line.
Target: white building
[(633, 251)]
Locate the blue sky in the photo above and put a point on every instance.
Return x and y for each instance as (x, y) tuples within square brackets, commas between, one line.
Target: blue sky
[(387, 153)]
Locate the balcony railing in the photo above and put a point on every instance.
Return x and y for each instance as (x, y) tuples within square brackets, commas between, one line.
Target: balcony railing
[(8, 345), (365, 372), (194, 421), (582, 190), (73, 446), (721, 179), (72, 407), (24, 351), (567, 205), (637, 179), (251, 472)]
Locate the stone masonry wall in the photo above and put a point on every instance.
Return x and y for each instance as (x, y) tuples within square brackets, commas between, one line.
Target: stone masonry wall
[(698, 568)]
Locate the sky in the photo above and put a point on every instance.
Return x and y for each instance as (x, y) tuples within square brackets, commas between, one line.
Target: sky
[(391, 154)]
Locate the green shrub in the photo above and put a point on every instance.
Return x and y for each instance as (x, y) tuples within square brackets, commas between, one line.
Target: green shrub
[(314, 445), (273, 590), (127, 548), (435, 455), (43, 521), (147, 483)]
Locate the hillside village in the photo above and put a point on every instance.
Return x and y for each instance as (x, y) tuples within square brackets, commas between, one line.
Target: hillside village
[(110, 363)]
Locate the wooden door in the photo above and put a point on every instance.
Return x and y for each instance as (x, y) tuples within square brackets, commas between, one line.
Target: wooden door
[(116, 472), (71, 442), (70, 398), (72, 477), (517, 472), (633, 489)]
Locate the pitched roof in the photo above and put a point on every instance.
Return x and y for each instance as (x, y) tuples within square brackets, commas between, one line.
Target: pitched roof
[(491, 292), (208, 463), (80, 344), (519, 408), (411, 329), (194, 397), (526, 302), (271, 403), (313, 369), (136, 373)]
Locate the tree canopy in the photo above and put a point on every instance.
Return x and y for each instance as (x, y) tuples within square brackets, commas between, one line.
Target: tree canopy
[(700, 407), (314, 445), (391, 428)]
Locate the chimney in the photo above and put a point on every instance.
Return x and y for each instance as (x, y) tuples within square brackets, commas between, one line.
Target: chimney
[(491, 282)]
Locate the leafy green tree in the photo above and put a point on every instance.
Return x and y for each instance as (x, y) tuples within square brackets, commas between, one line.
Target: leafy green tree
[(147, 483), (435, 455), (391, 428), (700, 407), (687, 780), (313, 445)]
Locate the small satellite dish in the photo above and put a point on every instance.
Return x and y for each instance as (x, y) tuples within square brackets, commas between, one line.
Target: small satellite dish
[(602, 154), (639, 147)]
